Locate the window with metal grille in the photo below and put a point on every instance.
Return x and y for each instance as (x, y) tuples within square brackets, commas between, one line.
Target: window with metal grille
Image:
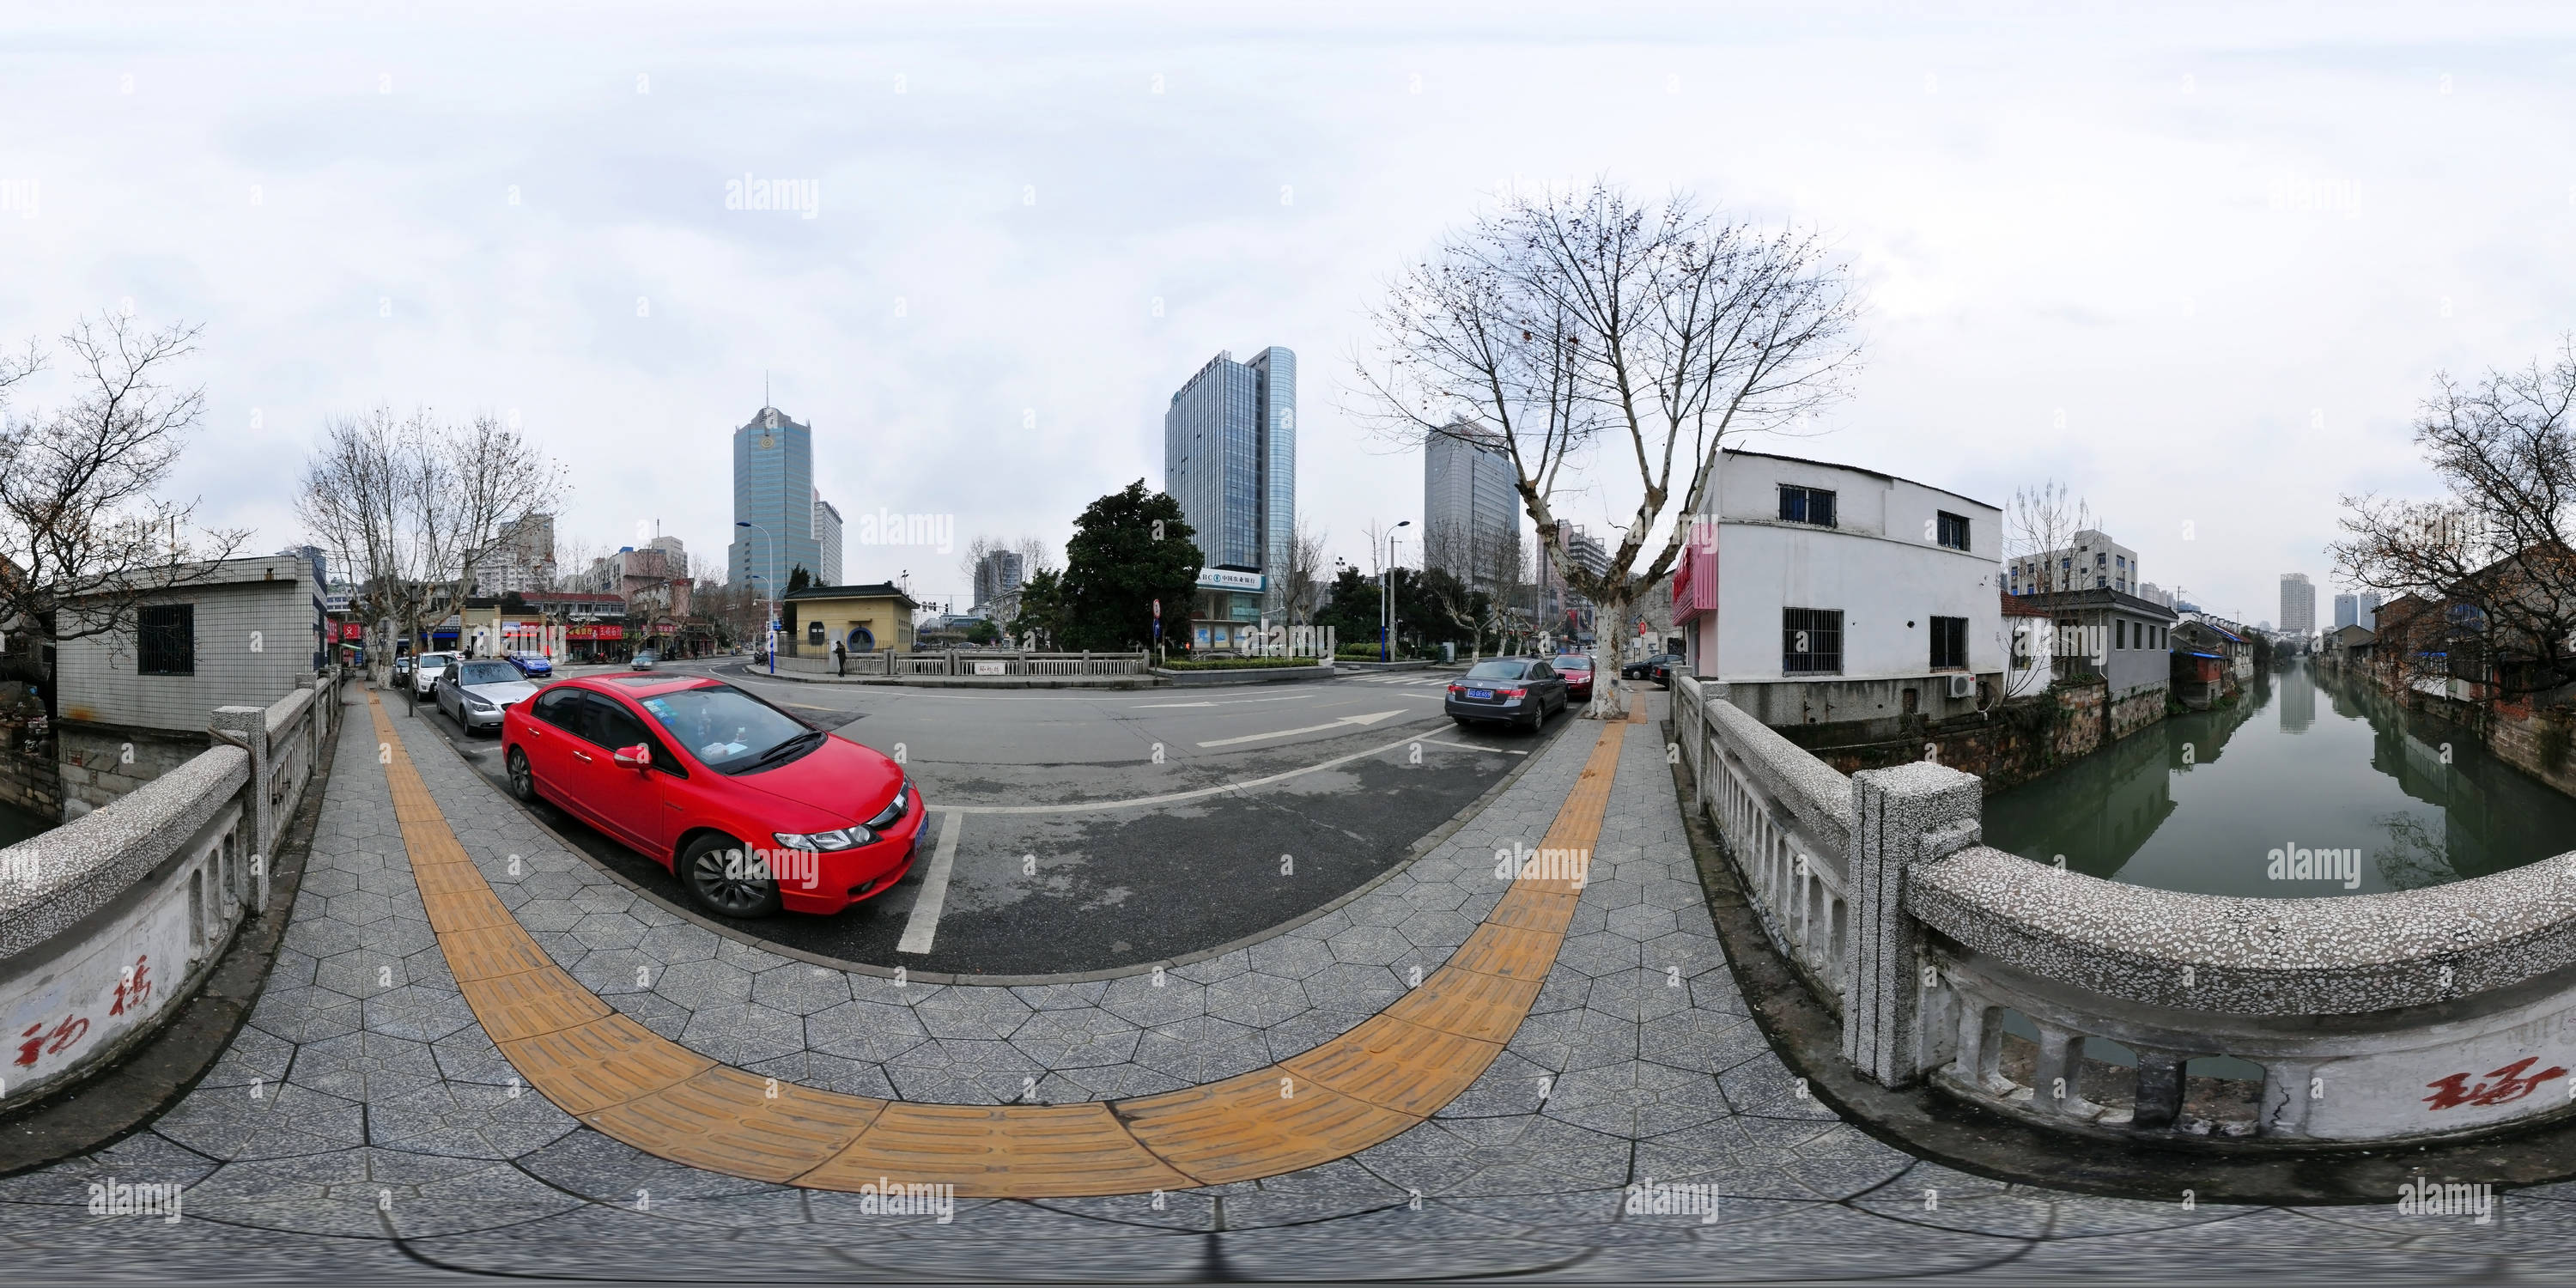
[(1949, 643), (1954, 529), (1806, 505), (1811, 641), (165, 638)]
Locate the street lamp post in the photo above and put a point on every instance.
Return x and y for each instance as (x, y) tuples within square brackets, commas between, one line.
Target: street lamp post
[(768, 629), (1385, 597)]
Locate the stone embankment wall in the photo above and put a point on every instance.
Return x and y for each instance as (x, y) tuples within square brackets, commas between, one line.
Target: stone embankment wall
[(2007, 745)]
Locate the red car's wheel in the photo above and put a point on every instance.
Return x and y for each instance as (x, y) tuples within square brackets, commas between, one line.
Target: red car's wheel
[(726, 878)]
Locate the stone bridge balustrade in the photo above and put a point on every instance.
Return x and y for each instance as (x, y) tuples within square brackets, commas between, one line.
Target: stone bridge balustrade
[(2373, 1018)]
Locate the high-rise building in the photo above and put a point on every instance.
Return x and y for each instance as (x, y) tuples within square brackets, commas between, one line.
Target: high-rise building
[(773, 487), (675, 555), (2347, 611), (1230, 459), (2298, 605), (2094, 562), (827, 541), (1470, 505), (2368, 618), (997, 578)]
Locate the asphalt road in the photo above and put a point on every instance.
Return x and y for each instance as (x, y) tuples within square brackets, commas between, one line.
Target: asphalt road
[(1093, 829)]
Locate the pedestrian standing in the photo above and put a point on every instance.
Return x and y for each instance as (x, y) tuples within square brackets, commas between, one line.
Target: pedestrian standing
[(840, 658)]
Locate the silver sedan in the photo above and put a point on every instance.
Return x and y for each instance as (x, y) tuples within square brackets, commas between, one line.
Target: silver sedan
[(475, 693)]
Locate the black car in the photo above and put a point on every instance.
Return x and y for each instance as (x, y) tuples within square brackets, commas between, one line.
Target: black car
[(1507, 690), (1644, 668), (1660, 670)]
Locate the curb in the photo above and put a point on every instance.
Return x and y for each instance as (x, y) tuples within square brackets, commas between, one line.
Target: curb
[(1931, 1125), (151, 1078)]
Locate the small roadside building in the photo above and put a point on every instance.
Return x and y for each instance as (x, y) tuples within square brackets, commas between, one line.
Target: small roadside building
[(2209, 662), (861, 619), (2349, 646), (1829, 594), (133, 704), (2125, 640)]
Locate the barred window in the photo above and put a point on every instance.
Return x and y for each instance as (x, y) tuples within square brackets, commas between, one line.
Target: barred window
[(1954, 529), (1949, 643), (166, 640), (1806, 505), (1811, 641)]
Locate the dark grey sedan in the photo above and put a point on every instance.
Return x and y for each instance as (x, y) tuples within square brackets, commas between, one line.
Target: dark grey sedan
[(1507, 690)]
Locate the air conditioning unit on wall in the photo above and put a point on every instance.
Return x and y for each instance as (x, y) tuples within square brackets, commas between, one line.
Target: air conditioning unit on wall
[(1963, 686)]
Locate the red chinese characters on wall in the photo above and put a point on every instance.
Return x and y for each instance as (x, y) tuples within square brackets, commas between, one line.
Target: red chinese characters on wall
[(71, 1030), (2501, 1086), (133, 992), (135, 988)]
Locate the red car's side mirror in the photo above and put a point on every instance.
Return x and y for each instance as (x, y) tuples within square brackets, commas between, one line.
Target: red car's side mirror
[(639, 756)]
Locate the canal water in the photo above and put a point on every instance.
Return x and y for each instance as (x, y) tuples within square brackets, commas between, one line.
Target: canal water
[(2378, 798), (17, 825)]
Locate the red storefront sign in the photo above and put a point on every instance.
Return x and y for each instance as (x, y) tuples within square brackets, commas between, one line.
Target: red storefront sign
[(595, 633), (353, 630)]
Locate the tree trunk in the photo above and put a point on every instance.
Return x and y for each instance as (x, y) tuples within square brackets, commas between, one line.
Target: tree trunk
[(1609, 700)]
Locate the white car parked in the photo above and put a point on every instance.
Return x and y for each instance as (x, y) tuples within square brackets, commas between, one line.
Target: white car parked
[(426, 669)]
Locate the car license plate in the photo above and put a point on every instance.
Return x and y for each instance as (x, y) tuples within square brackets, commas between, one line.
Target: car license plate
[(1480, 693)]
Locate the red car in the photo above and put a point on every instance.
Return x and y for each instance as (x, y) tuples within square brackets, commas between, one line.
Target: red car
[(1577, 670), (751, 808)]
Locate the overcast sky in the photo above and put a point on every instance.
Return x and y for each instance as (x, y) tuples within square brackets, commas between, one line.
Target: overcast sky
[(2200, 264)]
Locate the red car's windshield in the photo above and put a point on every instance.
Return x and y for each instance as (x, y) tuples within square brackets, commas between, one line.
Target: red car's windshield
[(1574, 662), (728, 730)]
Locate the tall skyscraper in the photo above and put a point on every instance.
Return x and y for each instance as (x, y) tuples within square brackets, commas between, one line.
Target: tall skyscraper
[(773, 486), (2369, 616), (997, 578), (2347, 611), (827, 542), (2298, 605), (1471, 506), (1230, 459)]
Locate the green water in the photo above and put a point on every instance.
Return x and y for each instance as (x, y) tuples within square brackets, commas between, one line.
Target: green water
[(17, 825), (2198, 802)]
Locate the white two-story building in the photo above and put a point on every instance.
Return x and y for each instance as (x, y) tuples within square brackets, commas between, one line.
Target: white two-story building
[(1821, 593)]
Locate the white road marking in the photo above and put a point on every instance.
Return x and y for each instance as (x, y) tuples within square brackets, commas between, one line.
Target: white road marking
[(1231, 702), (1469, 746), (924, 925), (1169, 798), (1370, 719)]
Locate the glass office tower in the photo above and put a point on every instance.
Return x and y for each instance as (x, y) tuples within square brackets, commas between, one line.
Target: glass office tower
[(1230, 459), (773, 486)]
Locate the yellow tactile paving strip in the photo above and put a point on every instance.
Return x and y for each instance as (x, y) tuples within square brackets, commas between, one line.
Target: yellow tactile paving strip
[(636, 1086)]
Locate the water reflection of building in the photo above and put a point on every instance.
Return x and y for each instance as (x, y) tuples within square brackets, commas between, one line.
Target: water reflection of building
[(2130, 779), (2492, 817), (2298, 703)]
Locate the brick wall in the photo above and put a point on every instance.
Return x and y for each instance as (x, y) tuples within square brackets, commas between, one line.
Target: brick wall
[(2011, 744), (28, 780)]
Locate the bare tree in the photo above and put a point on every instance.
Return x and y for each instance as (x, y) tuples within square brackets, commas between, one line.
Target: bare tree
[(1302, 581), (416, 504), (1572, 321), (971, 562), (2040, 527), (1035, 555), (2493, 557), (83, 538)]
